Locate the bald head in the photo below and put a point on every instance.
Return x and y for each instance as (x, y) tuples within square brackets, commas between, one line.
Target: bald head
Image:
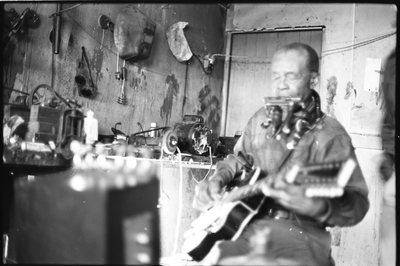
[(312, 59), (294, 70)]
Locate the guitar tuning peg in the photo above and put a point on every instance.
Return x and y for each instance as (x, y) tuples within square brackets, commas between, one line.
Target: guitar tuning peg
[(119, 181), (101, 161), (119, 162), (131, 163), (77, 161), (99, 149), (75, 146), (120, 150), (89, 161), (102, 183)]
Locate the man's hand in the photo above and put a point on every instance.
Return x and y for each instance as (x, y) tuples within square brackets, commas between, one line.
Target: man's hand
[(206, 193), (293, 197)]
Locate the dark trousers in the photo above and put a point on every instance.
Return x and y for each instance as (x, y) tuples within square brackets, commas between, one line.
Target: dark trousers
[(288, 243)]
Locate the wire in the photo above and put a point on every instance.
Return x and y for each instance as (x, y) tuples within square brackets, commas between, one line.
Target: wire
[(140, 125), (163, 195), (150, 130), (179, 215), (67, 9), (209, 170), (201, 64), (87, 63), (357, 45), (22, 92)]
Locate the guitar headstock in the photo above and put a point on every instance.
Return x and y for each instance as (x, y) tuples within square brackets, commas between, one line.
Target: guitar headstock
[(323, 179), (94, 168)]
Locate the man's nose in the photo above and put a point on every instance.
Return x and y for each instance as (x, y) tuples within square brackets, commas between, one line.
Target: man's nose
[(282, 84)]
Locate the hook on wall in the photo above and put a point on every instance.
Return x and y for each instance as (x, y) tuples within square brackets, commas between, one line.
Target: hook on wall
[(105, 23)]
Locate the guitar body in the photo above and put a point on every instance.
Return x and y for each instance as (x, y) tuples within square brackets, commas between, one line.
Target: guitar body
[(227, 227), (225, 222)]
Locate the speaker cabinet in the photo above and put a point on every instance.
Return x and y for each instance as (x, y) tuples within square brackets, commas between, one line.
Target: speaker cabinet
[(54, 222)]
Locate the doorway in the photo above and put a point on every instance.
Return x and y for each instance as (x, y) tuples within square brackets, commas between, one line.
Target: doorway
[(249, 70)]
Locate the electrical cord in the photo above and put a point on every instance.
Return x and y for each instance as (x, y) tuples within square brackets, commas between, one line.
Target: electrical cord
[(67, 9), (354, 46), (362, 43), (209, 170), (201, 64), (179, 215), (163, 194)]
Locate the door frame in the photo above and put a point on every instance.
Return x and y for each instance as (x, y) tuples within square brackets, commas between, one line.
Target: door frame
[(227, 64)]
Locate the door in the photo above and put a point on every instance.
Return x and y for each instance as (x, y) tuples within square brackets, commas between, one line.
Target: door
[(250, 63)]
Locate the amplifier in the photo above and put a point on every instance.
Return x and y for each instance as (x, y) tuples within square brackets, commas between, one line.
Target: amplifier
[(86, 216)]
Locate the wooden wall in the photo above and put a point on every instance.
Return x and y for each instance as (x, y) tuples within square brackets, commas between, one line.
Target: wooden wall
[(353, 33), (159, 89)]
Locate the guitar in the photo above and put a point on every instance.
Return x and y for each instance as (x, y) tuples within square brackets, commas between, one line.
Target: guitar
[(227, 219)]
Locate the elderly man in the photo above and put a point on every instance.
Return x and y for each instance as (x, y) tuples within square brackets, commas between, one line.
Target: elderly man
[(296, 223)]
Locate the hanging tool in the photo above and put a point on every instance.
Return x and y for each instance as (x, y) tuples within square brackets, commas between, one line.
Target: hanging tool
[(87, 63), (122, 98), (56, 35), (82, 73), (105, 23), (15, 23), (117, 73)]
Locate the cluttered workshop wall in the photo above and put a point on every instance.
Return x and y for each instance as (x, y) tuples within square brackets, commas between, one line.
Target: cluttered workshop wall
[(157, 89), (357, 39)]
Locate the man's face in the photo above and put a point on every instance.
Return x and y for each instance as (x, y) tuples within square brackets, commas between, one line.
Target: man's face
[(290, 76)]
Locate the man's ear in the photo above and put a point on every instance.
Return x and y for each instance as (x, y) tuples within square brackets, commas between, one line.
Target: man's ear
[(314, 80)]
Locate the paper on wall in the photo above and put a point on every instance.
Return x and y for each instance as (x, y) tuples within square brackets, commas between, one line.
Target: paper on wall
[(372, 74), (177, 42)]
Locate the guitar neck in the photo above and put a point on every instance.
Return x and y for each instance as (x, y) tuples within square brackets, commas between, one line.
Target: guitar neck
[(320, 179), (240, 193)]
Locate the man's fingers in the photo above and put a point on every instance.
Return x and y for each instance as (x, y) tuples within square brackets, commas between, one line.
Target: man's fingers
[(278, 194)]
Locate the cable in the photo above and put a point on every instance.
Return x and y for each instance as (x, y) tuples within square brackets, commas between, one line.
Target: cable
[(163, 195), (22, 92), (201, 64), (354, 46), (362, 43), (179, 215), (209, 170), (67, 9)]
